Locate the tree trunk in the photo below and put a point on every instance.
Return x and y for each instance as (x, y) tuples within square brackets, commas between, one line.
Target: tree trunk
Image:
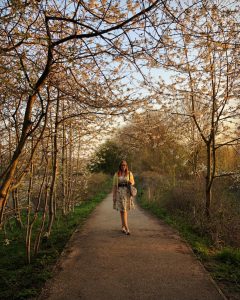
[(38, 238), (29, 227), (54, 175), (70, 171), (208, 185), (208, 194), (17, 210), (63, 168)]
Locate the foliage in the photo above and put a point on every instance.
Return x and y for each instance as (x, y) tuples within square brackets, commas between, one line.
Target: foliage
[(107, 158), (152, 143)]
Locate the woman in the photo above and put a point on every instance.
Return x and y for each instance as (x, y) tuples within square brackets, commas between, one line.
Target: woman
[(121, 195)]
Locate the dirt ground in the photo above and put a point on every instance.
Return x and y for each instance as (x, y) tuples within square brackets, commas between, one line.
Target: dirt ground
[(100, 262)]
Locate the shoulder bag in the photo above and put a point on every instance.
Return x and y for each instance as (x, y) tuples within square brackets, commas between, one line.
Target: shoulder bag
[(132, 189)]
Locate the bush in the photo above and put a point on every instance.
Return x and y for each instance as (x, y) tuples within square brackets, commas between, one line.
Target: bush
[(153, 185), (187, 199), (96, 182)]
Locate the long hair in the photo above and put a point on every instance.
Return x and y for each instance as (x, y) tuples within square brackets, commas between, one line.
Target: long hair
[(120, 170)]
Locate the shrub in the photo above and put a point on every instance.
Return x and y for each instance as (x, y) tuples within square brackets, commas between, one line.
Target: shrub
[(95, 184), (186, 199)]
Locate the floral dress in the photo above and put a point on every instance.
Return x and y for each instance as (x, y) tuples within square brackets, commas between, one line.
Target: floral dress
[(123, 199)]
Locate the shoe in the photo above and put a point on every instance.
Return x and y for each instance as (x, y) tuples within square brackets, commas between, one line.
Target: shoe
[(124, 230), (127, 232)]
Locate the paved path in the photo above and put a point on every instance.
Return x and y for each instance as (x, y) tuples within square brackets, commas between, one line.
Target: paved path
[(101, 263)]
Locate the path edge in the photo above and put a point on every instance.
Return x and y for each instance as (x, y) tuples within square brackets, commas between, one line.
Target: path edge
[(43, 294), (208, 274)]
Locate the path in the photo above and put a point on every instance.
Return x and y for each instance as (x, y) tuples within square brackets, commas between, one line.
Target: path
[(101, 263)]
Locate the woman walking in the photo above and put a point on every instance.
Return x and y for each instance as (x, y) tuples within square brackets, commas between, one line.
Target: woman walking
[(122, 200)]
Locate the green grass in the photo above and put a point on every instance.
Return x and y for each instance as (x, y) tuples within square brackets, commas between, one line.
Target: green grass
[(223, 264), (19, 280)]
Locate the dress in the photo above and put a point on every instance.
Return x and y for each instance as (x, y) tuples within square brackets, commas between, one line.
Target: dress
[(123, 199)]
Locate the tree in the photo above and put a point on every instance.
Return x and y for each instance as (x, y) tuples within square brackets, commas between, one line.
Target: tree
[(38, 38), (203, 54), (153, 144), (107, 158)]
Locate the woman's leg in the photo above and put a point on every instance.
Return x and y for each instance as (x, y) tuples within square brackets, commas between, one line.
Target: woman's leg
[(122, 218), (125, 217)]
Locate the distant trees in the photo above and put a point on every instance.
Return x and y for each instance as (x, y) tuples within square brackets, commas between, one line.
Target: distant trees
[(107, 158), (149, 142)]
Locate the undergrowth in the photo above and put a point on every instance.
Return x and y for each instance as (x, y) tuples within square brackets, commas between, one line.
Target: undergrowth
[(19, 280)]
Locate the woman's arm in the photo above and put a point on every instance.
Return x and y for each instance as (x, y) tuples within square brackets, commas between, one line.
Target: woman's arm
[(115, 186)]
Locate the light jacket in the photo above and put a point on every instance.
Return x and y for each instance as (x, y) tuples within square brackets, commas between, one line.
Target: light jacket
[(129, 177)]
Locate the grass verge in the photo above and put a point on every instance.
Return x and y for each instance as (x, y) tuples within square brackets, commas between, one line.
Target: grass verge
[(223, 264), (19, 280)]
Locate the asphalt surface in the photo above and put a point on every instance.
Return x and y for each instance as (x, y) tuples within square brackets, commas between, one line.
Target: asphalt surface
[(101, 263)]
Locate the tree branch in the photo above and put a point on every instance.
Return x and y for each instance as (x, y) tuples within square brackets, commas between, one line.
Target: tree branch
[(101, 32)]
